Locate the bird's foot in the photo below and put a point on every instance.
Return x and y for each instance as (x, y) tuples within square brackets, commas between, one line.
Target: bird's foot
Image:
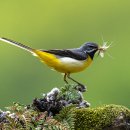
[(81, 87)]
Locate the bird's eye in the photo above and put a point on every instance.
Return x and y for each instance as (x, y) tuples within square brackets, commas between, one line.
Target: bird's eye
[(91, 47)]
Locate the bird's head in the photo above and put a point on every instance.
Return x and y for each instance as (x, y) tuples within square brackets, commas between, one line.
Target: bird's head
[(90, 48)]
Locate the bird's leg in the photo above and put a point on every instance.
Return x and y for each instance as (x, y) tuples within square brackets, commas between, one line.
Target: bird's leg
[(68, 75), (65, 75), (81, 87)]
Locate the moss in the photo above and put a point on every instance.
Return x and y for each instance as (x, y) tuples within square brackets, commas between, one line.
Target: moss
[(98, 118), (64, 109)]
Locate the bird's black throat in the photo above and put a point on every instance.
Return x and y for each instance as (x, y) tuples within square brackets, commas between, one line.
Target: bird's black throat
[(92, 53), (90, 49)]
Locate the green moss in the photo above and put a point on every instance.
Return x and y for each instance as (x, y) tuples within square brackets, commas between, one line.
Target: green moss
[(67, 110), (98, 118)]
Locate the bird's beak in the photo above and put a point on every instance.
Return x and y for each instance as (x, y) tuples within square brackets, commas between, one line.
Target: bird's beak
[(102, 49)]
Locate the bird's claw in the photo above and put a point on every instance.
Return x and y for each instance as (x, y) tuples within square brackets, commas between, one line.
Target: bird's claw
[(81, 87)]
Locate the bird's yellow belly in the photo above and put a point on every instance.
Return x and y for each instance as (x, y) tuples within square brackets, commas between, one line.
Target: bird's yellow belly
[(63, 65), (69, 65)]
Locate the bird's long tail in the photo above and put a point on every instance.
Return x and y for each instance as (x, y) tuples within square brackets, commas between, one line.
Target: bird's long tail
[(20, 45)]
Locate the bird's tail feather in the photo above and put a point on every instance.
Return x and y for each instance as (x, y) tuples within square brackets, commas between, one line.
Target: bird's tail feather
[(20, 45)]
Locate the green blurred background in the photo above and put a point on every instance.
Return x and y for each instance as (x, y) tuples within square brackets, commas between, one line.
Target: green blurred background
[(50, 24)]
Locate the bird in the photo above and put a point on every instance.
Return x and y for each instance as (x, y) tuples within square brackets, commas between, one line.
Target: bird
[(65, 61)]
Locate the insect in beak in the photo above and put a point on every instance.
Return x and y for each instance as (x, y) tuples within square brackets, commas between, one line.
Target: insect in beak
[(102, 49)]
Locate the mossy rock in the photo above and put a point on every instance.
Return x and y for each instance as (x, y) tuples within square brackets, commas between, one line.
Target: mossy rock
[(107, 117)]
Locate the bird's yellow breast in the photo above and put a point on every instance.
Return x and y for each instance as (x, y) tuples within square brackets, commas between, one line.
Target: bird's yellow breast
[(63, 64)]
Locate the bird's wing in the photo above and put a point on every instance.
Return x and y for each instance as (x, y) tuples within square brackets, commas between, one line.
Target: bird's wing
[(78, 55)]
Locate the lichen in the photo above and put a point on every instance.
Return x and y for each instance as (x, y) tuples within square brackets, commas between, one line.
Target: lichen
[(98, 118), (56, 99), (64, 109)]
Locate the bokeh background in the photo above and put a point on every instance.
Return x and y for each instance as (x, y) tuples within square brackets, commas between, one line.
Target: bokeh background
[(50, 24)]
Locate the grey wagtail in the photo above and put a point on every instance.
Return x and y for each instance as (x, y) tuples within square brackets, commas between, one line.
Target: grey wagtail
[(66, 61)]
